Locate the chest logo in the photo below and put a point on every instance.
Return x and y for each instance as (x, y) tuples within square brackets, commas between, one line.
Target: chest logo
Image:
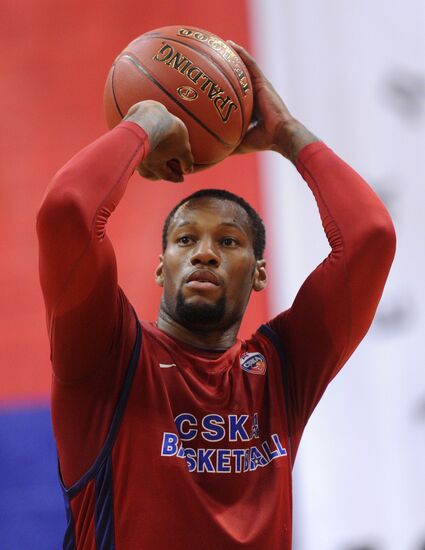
[(254, 363)]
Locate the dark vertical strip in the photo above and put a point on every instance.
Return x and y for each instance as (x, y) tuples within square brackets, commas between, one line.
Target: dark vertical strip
[(101, 470), (104, 508), (125, 391), (276, 341), (69, 537)]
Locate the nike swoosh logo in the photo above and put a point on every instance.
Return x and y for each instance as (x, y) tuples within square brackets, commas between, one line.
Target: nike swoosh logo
[(167, 365)]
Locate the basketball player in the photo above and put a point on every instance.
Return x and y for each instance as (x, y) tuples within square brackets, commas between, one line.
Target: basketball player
[(175, 434)]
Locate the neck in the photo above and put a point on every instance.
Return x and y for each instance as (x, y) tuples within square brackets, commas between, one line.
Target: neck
[(209, 338)]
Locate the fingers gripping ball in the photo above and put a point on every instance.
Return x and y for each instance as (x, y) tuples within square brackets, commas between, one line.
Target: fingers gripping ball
[(196, 75)]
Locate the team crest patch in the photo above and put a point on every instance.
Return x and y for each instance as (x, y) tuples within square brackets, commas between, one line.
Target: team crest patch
[(254, 363)]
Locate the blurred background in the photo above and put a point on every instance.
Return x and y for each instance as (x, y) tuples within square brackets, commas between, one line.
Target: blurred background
[(354, 73)]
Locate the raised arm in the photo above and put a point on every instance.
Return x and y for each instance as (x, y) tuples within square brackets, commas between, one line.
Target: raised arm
[(77, 262), (336, 304)]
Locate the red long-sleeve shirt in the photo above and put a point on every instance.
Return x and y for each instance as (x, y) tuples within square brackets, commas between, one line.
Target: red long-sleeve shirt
[(236, 419)]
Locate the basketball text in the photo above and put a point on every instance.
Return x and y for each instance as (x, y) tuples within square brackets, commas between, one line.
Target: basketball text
[(237, 430), (222, 102)]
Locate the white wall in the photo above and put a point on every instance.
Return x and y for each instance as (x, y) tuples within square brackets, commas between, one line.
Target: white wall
[(354, 72)]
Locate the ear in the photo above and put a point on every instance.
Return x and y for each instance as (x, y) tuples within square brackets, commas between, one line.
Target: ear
[(260, 276), (159, 271)]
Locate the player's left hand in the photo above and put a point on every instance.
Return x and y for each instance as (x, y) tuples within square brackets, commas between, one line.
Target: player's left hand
[(273, 123)]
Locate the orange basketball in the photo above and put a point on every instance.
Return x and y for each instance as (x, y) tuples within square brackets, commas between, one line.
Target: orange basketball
[(196, 75)]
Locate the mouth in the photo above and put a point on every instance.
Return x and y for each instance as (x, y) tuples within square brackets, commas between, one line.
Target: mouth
[(202, 279)]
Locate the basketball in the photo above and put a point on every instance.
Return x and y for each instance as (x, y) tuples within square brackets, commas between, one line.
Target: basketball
[(196, 75)]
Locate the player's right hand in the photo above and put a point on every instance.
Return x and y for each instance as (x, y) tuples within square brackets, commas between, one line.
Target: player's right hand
[(170, 156)]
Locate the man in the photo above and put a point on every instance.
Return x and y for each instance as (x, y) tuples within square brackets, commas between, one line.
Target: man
[(176, 434)]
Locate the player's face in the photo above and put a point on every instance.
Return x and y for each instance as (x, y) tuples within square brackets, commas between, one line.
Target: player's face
[(208, 269)]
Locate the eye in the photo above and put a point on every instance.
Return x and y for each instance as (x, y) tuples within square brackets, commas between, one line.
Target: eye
[(184, 240), (229, 242)]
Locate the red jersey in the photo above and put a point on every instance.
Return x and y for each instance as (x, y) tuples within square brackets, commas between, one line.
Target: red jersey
[(165, 446)]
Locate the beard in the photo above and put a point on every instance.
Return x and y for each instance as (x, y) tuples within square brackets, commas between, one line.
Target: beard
[(195, 315)]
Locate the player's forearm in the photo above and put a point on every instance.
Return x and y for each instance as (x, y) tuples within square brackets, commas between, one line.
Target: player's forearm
[(72, 218), (341, 194), (92, 183), (346, 199)]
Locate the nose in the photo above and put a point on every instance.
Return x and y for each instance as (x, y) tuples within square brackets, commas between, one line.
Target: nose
[(205, 254)]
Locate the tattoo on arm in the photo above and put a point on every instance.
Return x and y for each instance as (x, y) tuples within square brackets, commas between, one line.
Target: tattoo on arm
[(299, 138), (292, 137)]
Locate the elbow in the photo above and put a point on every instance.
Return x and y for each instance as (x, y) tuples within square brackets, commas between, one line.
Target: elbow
[(61, 211), (381, 240), (387, 235)]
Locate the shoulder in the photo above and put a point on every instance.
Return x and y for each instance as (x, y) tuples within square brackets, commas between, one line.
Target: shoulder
[(271, 334), (266, 342)]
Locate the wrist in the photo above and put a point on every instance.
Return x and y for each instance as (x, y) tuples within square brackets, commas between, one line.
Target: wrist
[(153, 117), (291, 138)]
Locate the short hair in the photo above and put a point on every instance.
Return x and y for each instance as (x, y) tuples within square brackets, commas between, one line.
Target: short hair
[(256, 223)]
